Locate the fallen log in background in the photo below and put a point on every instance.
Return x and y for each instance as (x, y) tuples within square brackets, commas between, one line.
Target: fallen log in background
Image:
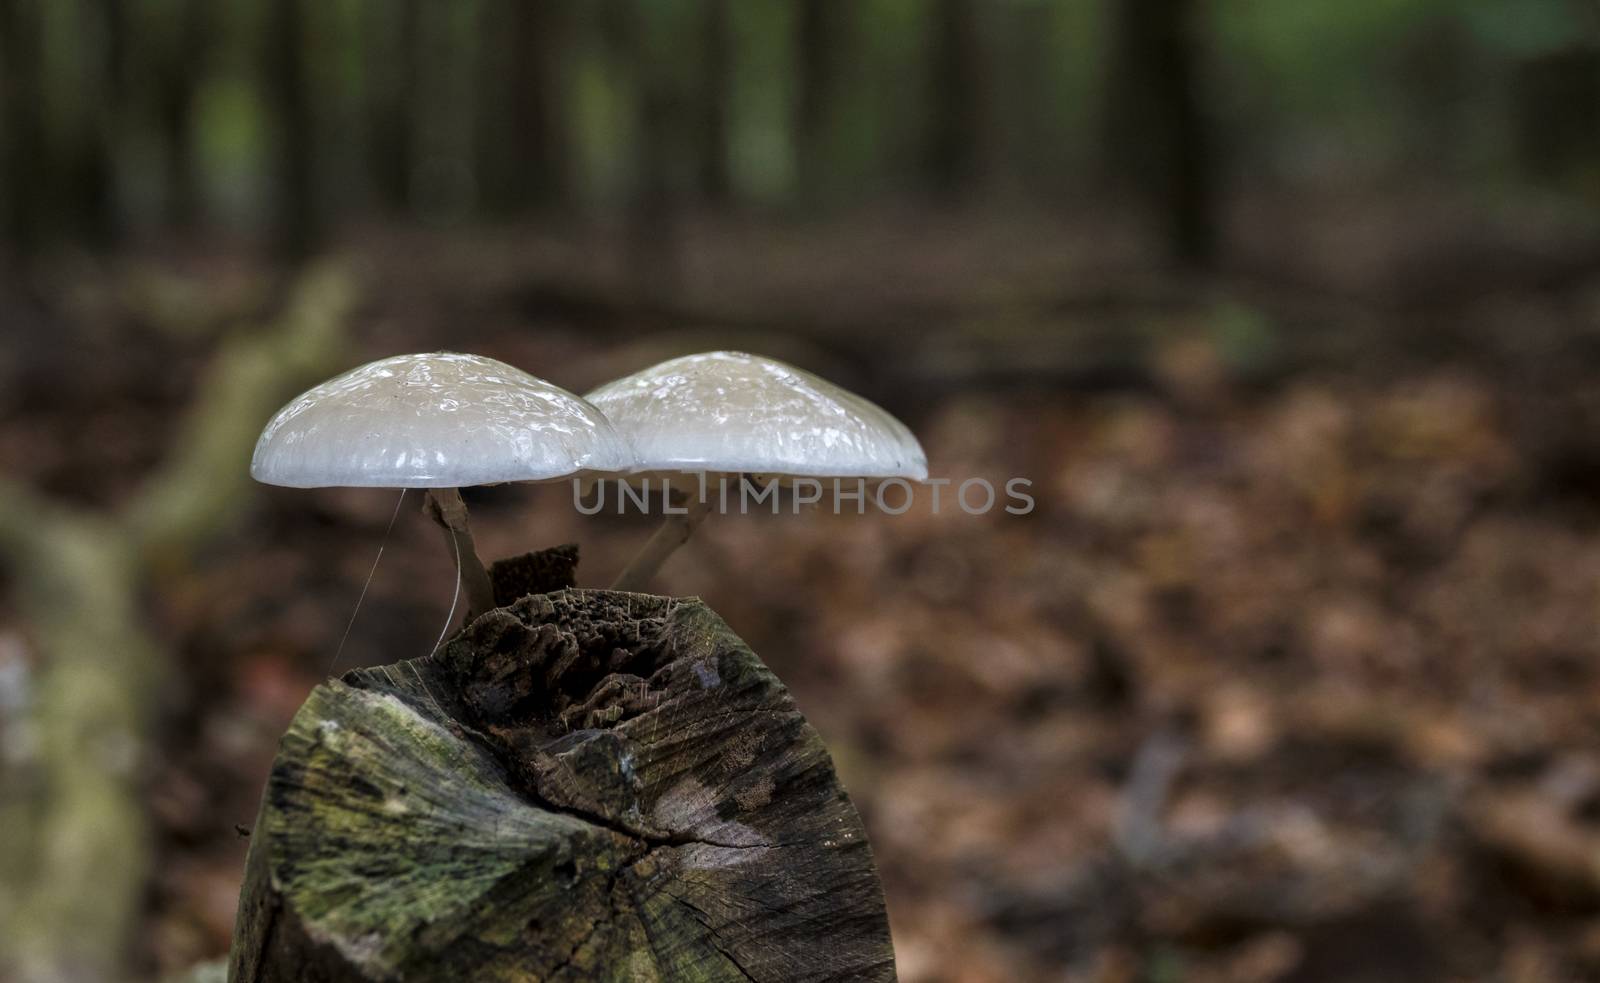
[(74, 838), (585, 785)]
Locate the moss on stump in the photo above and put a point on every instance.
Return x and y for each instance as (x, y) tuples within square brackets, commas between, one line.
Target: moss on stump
[(584, 785)]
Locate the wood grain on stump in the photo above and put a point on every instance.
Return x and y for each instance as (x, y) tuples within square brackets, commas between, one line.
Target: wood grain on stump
[(584, 785)]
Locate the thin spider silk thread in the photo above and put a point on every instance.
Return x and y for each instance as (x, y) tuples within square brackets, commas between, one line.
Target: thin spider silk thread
[(383, 543), (454, 598)]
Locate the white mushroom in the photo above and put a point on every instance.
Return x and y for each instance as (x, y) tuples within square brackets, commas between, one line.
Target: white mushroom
[(733, 413), (440, 421)]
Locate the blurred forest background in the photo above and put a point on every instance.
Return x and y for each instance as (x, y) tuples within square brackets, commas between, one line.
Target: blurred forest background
[(1290, 310)]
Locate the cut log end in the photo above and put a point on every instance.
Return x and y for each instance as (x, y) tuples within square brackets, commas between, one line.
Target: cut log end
[(585, 785)]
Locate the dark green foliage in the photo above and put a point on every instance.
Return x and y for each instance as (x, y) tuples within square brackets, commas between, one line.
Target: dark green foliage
[(296, 119)]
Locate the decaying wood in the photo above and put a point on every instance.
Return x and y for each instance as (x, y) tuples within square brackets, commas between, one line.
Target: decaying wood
[(534, 573), (585, 785)]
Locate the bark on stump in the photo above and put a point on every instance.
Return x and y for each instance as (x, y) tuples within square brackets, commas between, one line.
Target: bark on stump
[(584, 785)]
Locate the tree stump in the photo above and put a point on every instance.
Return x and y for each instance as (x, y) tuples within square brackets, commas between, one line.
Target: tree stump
[(583, 785)]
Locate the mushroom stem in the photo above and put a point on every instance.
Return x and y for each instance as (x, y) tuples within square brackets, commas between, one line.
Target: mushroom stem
[(674, 532), (444, 506)]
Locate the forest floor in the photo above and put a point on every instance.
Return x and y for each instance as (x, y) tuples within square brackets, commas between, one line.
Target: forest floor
[(1293, 673)]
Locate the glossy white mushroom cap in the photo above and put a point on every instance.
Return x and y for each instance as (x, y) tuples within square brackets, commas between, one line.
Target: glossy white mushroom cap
[(437, 420), (732, 412)]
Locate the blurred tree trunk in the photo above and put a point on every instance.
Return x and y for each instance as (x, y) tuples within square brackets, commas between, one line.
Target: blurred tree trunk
[(288, 93), (820, 28), (83, 179), (1156, 135), (391, 96), (22, 125), (1555, 102), (523, 152), (65, 184), (716, 91), (653, 211), (952, 158), (494, 164), (1033, 158), (175, 95), (539, 131), (653, 220), (1434, 91)]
